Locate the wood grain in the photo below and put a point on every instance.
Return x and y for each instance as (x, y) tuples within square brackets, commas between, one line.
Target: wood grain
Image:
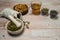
[(40, 28)]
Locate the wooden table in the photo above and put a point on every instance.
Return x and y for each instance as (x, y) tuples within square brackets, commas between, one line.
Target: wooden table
[(40, 28)]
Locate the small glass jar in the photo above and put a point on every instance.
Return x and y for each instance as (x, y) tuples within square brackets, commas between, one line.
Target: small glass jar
[(44, 11), (53, 14), (36, 6)]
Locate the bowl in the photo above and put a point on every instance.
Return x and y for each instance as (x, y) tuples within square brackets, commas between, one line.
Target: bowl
[(23, 8), (17, 31)]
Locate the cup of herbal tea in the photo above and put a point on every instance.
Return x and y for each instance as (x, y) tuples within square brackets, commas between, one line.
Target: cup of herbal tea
[(36, 6)]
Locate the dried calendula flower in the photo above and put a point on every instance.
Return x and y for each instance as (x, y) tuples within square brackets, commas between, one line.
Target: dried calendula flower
[(27, 24), (23, 8)]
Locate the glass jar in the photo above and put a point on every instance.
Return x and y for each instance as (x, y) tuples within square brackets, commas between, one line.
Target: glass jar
[(36, 6)]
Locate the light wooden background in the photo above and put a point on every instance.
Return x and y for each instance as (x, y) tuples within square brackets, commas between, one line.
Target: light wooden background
[(40, 28)]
